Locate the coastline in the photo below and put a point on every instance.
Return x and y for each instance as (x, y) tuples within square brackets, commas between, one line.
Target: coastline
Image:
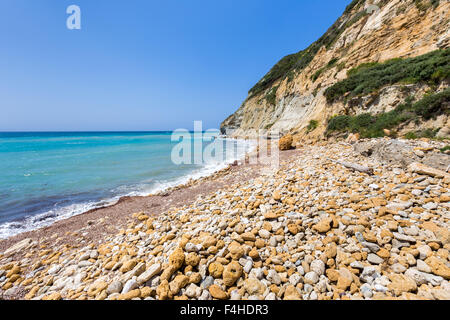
[(45, 219), (311, 230), (137, 203)]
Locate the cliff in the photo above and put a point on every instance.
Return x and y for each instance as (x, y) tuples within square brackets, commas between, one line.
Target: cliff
[(376, 58)]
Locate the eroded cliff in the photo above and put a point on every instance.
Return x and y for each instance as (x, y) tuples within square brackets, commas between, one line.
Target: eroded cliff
[(292, 97)]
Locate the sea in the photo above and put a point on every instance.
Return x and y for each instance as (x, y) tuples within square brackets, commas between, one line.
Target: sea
[(50, 176)]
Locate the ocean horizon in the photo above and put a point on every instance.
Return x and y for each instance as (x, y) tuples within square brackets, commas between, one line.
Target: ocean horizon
[(52, 175)]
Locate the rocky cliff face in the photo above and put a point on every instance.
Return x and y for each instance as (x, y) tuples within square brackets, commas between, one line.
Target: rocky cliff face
[(290, 98)]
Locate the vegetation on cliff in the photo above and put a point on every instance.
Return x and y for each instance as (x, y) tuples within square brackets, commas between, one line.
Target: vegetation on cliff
[(372, 126), (432, 67), (293, 63)]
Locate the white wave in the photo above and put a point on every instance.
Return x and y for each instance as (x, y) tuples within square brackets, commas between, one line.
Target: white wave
[(244, 147), (45, 219)]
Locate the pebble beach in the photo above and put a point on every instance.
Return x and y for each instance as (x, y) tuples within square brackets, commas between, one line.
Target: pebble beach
[(311, 230)]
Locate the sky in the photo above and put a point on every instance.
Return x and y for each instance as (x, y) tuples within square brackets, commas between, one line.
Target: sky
[(144, 65)]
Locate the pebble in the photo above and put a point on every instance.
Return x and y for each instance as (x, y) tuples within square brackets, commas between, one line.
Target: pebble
[(130, 285), (311, 278), (374, 259), (274, 277), (327, 233)]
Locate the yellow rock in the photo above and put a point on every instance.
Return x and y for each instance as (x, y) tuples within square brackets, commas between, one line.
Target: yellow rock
[(7, 286), (285, 143), (401, 283), (438, 267), (331, 250), (176, 259), (345, 279), (383, 253), (96, 288), (259, 243), (217, 293), (195, 278), (248, 236), (323, 226), (232, 273), (26, 282), (291, 293), (209, 242), (168, 272), (163, 290), (386, 233), (236, 251), (270, 215), (136, 293), (14, 270), (128, 265), (53, 296), (178, 283), (32, 293), (146, 292), (254, 254), (277, 195), (110, 265), (143, 217), (13, 278), (216, 270), (293, 228), (192, 259)]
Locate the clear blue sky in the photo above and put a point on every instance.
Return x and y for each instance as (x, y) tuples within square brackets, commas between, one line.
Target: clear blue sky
[(144, 64)]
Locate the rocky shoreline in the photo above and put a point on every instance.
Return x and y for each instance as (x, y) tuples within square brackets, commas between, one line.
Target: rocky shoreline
[(312, 230)]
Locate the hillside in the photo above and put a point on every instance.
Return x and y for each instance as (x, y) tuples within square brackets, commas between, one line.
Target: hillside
[(377, 58)]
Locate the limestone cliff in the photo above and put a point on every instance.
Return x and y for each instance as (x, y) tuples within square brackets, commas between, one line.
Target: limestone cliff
[(291, 97)]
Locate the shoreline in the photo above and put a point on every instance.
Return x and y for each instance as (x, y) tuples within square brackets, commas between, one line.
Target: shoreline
[(130, 202), (182, 181), (311, 230)]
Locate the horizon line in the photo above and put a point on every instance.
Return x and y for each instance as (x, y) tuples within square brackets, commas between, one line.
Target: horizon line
[(97, 131)]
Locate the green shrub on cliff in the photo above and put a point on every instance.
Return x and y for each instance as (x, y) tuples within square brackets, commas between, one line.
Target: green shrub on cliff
[(432, 67), (329, 65), (313, 124), (271, 97), (293, 63), (339, 123), (433, 104), (424, 5), (427, 133), (372, 126)]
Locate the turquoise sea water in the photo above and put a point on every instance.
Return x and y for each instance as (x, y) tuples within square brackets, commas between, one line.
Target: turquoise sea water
[(46, 177)]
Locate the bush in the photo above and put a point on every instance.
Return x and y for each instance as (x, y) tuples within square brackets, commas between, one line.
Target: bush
[(372, 126), (434, 104), (339, 123), (411, 135), (271, 97), (313, 124), (427, 133), (424, 5), (296, 62), (444, 149), (432, 68), (361, 121), (317, 74), (329, 65)]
